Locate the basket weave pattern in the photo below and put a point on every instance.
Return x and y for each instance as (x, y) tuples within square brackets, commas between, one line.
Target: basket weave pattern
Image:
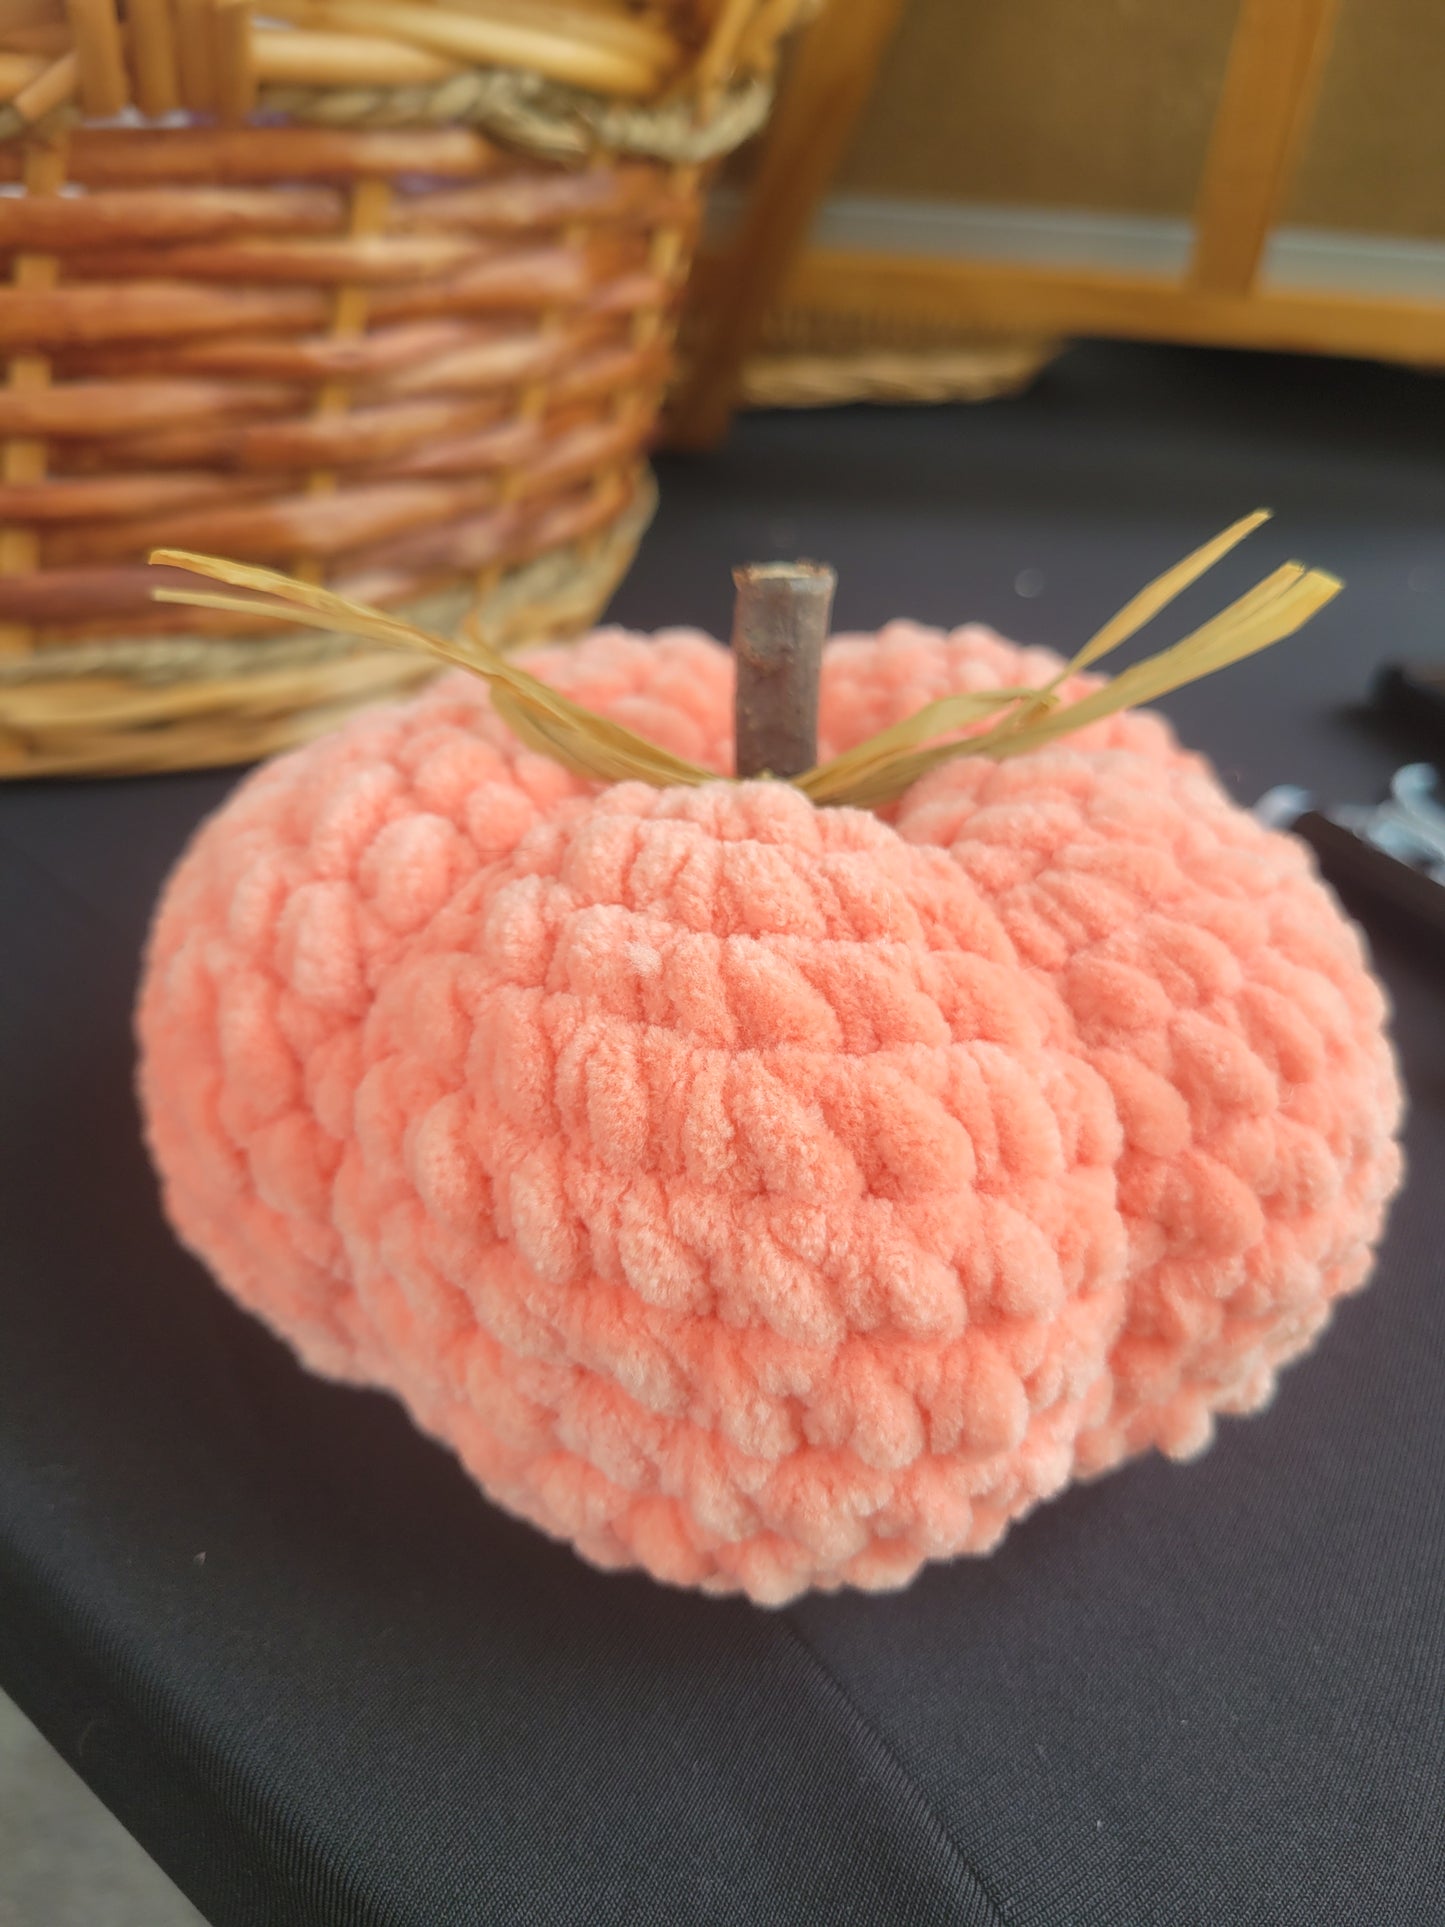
[(282, 347), (414, 362)]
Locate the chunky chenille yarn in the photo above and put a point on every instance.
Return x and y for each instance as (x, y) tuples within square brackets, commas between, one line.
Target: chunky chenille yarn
[(767, 1196)]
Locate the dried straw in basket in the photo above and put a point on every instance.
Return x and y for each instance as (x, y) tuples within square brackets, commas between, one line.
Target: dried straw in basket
[(876, 772)]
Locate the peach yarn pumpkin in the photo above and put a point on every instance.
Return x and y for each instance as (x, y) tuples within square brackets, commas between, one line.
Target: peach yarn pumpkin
[(766, 1196)]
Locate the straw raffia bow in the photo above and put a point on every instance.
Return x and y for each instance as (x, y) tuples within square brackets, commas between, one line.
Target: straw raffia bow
[(876, 772)]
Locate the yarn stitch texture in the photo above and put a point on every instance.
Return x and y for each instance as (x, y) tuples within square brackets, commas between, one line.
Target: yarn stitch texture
[(766, 1196)]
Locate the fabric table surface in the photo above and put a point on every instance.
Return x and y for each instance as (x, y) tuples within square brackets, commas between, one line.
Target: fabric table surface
[(322, 1680)]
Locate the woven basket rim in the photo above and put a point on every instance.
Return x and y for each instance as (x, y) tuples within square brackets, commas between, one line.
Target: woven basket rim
[(711, 102), (540, 117)]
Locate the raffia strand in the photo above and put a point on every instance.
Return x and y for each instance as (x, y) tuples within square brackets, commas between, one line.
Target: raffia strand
[(874, 773)]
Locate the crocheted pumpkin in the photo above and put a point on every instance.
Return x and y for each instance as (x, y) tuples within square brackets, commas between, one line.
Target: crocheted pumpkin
[(769, 1196)]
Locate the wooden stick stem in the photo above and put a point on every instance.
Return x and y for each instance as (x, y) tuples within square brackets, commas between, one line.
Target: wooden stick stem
[(780, 621)]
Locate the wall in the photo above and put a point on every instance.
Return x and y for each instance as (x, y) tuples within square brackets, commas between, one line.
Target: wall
[(1106, 104)]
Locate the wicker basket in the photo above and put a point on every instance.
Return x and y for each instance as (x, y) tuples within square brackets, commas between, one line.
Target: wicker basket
[(380, 293)]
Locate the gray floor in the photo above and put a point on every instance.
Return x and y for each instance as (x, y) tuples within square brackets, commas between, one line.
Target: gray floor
[(64, 1862)]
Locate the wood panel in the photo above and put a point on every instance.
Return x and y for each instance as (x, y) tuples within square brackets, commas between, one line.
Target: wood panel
[(996, 298), (1276, 62)]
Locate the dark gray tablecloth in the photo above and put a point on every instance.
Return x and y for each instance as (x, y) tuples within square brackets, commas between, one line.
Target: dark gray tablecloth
[(324, 1681)]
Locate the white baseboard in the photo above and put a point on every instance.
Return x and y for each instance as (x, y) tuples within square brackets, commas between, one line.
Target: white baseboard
[(1297, 257)]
